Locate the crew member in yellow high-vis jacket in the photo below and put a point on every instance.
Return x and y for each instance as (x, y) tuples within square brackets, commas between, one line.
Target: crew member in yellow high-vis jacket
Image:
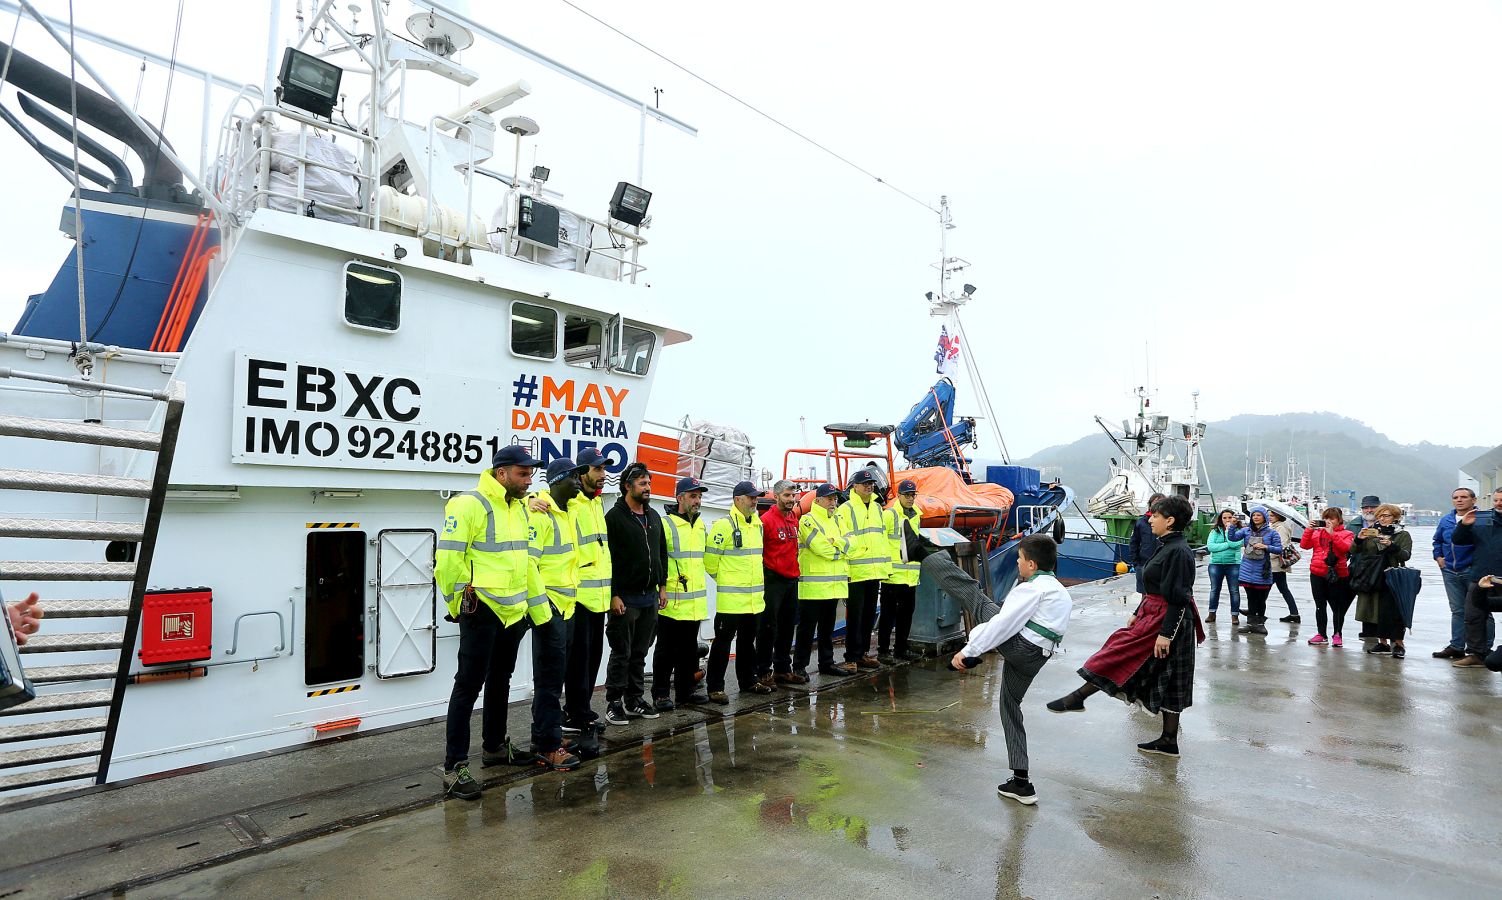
[(870, 564), (586, 633), (732, 557), (899, 591), (552, 545), (494, 591)]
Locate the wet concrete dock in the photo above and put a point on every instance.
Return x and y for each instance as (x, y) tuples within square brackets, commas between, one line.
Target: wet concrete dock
[(1310, 771)]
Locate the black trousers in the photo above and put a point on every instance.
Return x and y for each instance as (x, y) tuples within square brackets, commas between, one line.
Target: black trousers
[(740, 627), (675, 659), (1337, 596), (1479, 606), (487, 657), (549, 662), (1280, 581), (896, 610), (586, 647), (814, 614), (1256, 601), (630, 635), (860, 616), (774, 634)]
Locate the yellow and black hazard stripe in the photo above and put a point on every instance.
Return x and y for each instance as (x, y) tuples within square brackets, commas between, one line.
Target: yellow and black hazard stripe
[(333, 524), (324, 692)]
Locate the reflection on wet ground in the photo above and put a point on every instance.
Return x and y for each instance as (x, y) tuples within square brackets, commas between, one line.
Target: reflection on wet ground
[(1326, 773)]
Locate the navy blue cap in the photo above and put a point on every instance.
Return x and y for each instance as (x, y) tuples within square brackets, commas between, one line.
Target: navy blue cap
[(561, 468), (689, 484), (862, 476), (746, 489), (513, 455), (589, 457), (908, 486), (826, 490)]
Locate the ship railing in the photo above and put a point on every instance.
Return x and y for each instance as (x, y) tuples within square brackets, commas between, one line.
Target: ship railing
[(1027, 519), (245, 181), (657, 462)]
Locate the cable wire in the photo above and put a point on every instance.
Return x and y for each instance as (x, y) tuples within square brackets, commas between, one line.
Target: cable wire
[(765, 115)]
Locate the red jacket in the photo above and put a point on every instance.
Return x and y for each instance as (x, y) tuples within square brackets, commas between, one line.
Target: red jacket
[(1320, 541), (779, 542)]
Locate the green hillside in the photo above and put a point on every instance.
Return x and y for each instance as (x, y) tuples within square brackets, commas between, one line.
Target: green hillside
[(1342, 452)]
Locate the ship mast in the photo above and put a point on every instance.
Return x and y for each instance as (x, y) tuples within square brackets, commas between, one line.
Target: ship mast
[(946, 304)]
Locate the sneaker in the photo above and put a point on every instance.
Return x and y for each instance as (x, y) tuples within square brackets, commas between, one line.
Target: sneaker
[(1318, 639), (508, 755), (1336, 642), (560, 760), (867, 662), (1292, 620), (1210, 619), (1399, 651), (1067, 703), (1469, 661), (616, 713), (693, 698), (457, 782), (663, 704), (1379, 647), (1021, 791), (1449, 653), (886, 659), (760, 687), (640, 708), (1162, 746), (793, 678), (719, 697)]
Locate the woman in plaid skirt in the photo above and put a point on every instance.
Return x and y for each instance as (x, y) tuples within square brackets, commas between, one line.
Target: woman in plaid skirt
[(1151, 660)]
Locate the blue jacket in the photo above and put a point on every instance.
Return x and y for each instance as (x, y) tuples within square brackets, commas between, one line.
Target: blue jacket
[(1143, 544), (1223, 550), (1486, 539), (1457, 557), (1252, 569)]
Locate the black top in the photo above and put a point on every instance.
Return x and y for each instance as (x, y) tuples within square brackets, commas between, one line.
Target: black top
[(1170, 575), (1486, 537), (1143, 544), (638, 550)]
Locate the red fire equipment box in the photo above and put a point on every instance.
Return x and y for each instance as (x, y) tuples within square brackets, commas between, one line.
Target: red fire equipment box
[(177, 625)]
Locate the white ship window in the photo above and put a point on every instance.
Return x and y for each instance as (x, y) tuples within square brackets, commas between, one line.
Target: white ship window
[(583, 341), (372, 297), (534, 331), (634, 352)]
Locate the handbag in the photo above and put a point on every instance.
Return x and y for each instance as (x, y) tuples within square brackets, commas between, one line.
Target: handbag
[(1332, 566), (1290, 556), (1366, 572)]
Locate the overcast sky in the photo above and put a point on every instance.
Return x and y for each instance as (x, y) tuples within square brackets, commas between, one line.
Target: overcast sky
[(1285, 206)]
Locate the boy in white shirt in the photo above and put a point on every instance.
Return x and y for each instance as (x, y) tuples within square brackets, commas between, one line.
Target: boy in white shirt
[(1025, 629)]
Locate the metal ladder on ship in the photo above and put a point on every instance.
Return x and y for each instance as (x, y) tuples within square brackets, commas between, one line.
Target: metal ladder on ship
[(81, 700)]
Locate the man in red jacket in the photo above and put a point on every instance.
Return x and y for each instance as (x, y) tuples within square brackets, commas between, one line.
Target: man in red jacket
[(779, 559)]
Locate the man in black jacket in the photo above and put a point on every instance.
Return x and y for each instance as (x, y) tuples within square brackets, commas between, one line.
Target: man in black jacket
[(1143, 543), (638, 579), (1485, 594)]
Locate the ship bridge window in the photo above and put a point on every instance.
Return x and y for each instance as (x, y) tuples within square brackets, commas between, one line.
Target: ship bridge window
[(372, 297), (583, 341), (534, 331), (632, 353)]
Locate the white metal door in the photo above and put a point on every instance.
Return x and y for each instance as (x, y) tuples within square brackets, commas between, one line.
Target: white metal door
[(406, 603)]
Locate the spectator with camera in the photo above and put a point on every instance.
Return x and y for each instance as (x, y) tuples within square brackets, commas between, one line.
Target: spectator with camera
[(1379, 547), (1260, 544), (1454, 561), (1329, 544)]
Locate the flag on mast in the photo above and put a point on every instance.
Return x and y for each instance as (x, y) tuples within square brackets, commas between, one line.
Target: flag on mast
[(947, 357)]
